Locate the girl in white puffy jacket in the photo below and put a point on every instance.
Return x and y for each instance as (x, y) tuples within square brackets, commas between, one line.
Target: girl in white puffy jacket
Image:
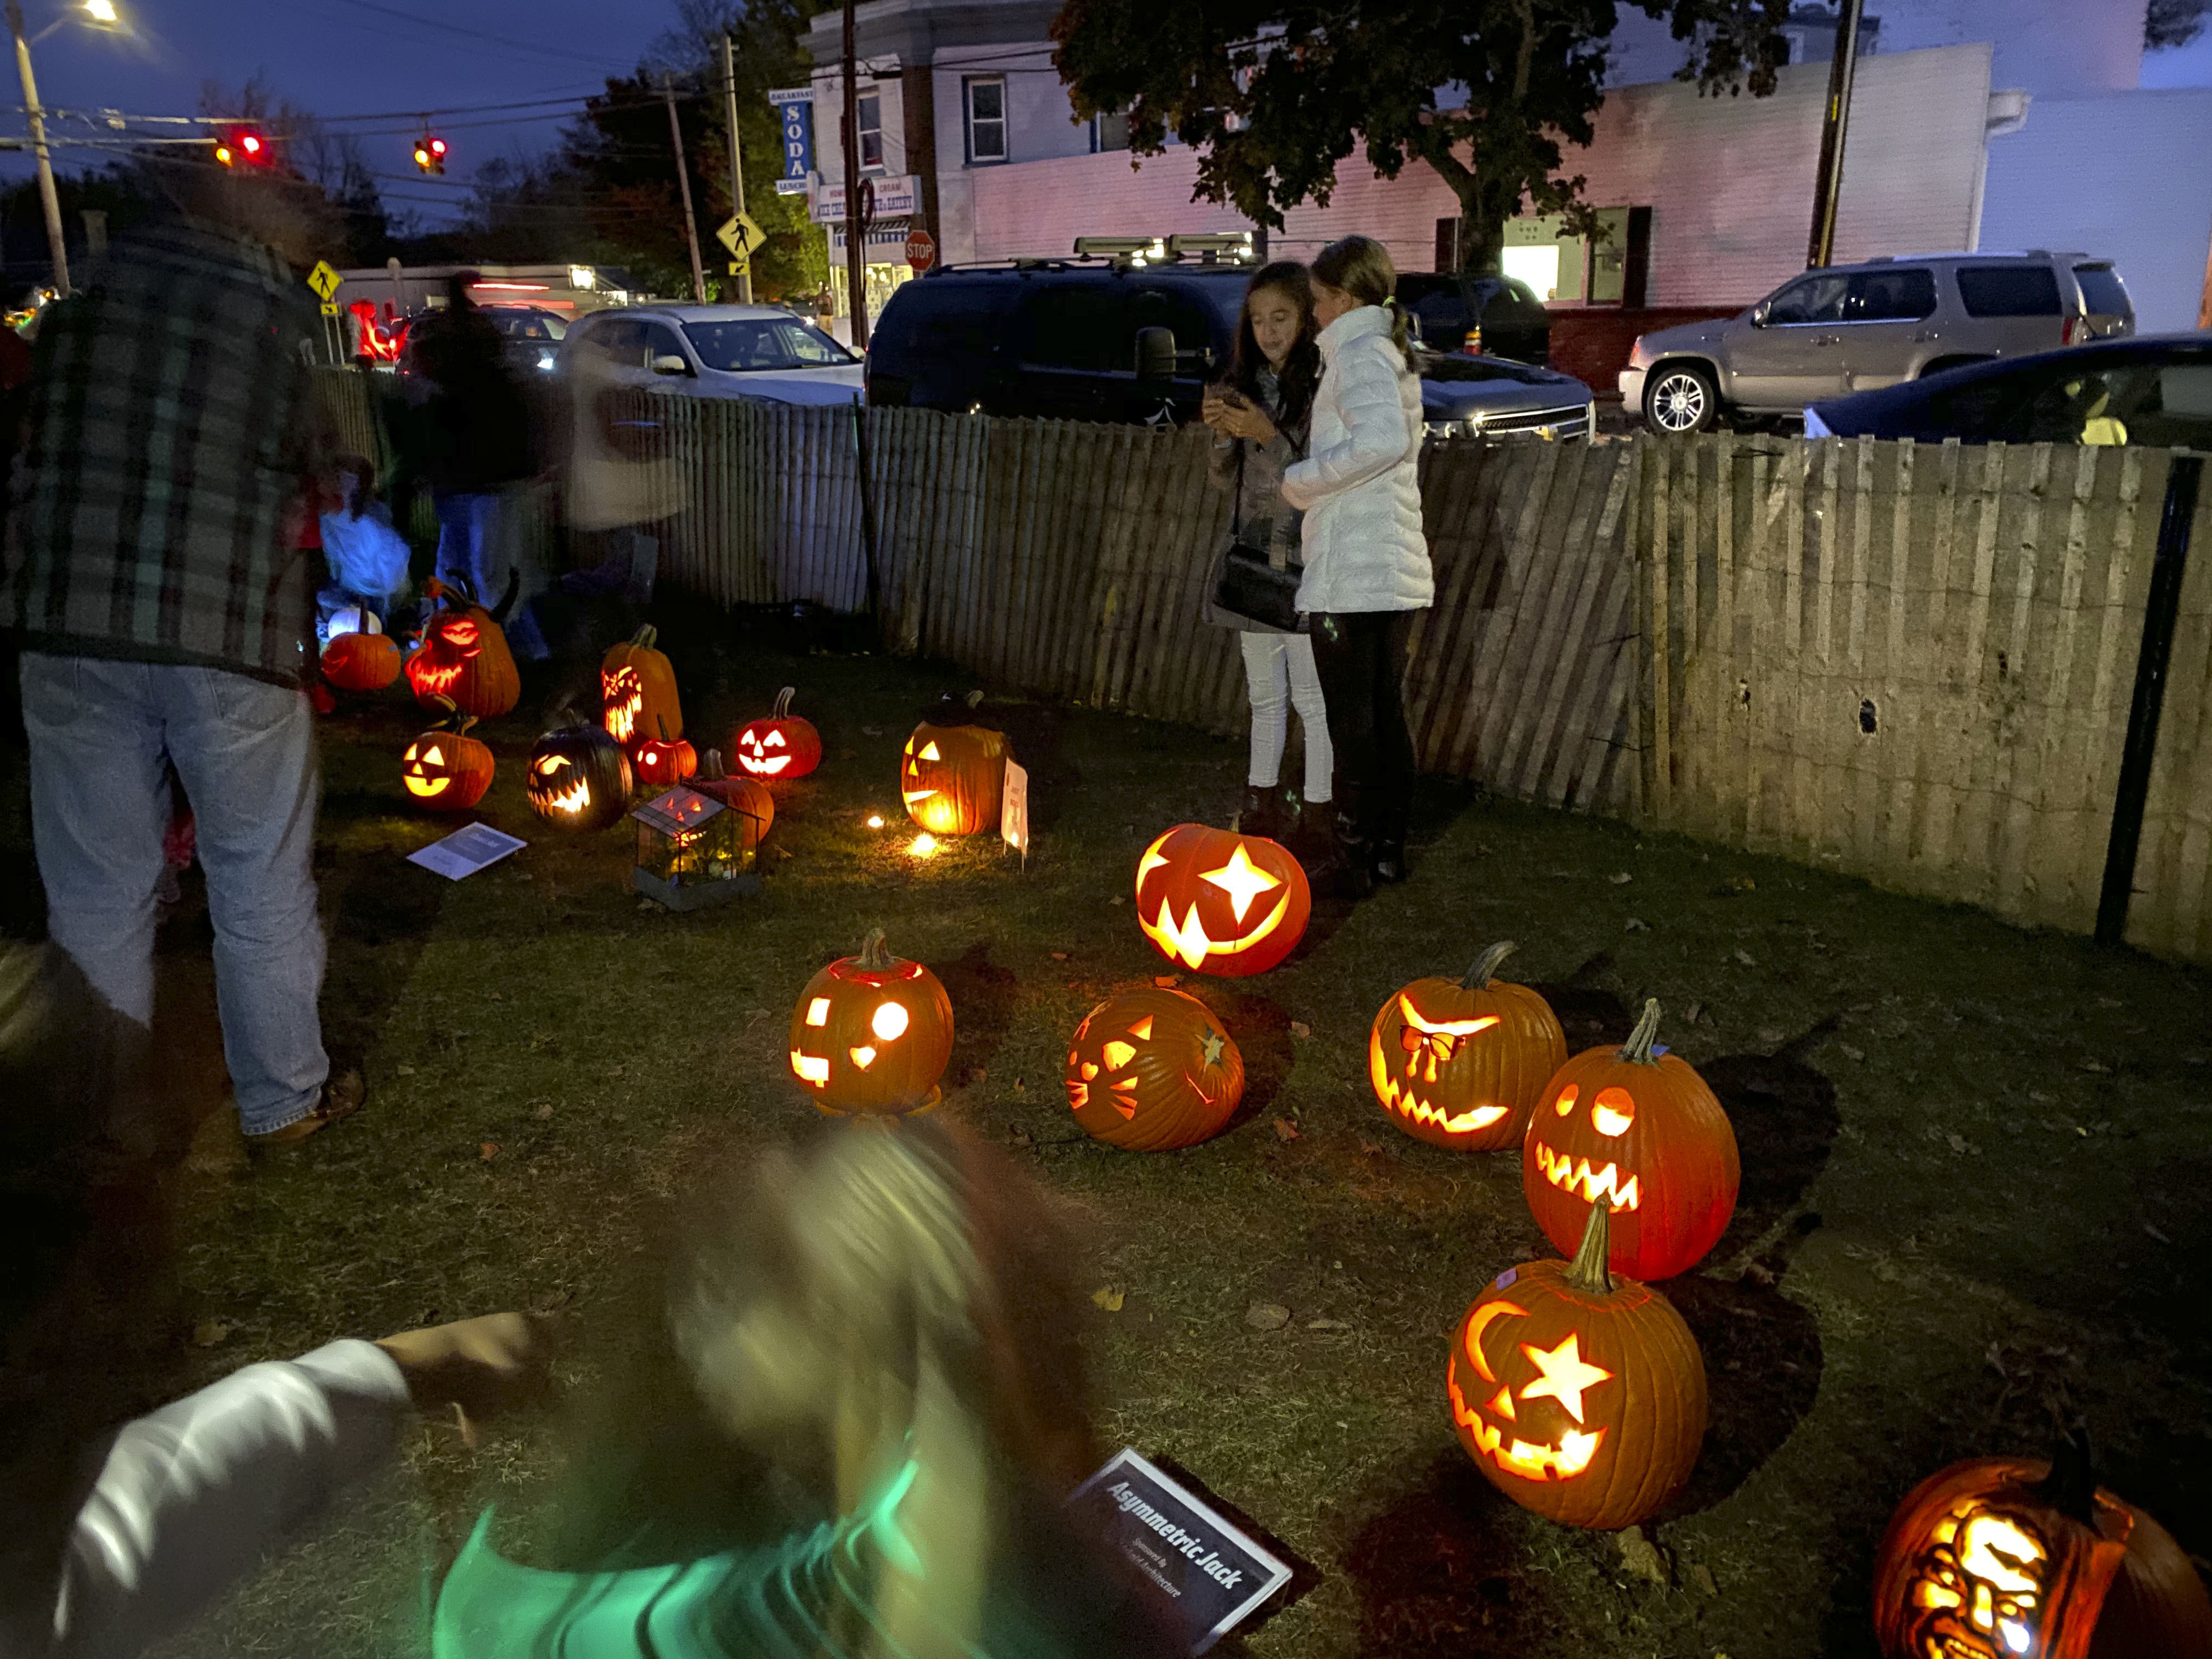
[(1366, 560)]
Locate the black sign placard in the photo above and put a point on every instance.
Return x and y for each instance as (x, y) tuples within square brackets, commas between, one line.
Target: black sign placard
[(1213, 1573)]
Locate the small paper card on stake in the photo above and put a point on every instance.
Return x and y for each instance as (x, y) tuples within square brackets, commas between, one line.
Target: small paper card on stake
[(1014, 814), (467, 850), (1213, 1573)]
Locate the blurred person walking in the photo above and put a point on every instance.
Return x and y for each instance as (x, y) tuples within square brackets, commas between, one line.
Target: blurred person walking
[(1259, 417), (1367, 567), (167, 616)]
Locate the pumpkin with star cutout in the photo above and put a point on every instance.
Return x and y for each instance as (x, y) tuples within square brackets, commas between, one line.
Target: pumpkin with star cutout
[(444, 769), (1461, 1063), (871, 1034), (953, 772), (366, 659), (1150, 1070), (1638, 1129), (578, 778), (1579, 1395), (778, 746), (637, 691), (463, 655), (1217, 902), (2011, 1557)]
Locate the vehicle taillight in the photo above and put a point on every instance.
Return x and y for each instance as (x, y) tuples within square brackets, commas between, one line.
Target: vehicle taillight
[(2072, 328)]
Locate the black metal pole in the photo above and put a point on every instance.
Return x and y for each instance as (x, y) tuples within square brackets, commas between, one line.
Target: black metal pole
[(868, 515), (1835, 127), (2164, 605), (856, 252)]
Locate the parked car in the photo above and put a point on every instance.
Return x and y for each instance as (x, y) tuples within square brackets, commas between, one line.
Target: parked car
[(713, 351), (532, 335), (1099, 340), (1489, 316), (2155, 390), (1856, 328)]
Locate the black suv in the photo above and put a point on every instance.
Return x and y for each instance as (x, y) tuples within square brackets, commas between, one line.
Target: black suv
[(1489, 315)]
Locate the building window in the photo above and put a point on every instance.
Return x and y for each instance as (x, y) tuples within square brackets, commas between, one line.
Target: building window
[(1109, 133), (987, 121), (869, 107)]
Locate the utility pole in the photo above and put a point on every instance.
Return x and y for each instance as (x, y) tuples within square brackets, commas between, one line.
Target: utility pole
[(1835, 127), (36, 119), (683, 181), (736, 161), (856, 230)]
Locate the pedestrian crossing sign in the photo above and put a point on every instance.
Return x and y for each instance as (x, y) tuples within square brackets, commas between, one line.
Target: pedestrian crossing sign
[(324, 280)]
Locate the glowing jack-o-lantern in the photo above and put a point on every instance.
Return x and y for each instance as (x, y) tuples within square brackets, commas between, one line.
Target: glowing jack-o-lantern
[(463, 655), (871, 1034), (953, 772), (363, 659), (578, 778), (2002, 1558), (1578, 1395), (1460, 1063), (444, 769), (661, 761), (1636, 1129), (1217, 902), (754, 806), (778, 746), (1151, 1069), (637, 691)]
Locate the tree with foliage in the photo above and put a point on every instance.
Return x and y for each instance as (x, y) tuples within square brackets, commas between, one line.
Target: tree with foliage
[(2173, 22), (1274, 94)]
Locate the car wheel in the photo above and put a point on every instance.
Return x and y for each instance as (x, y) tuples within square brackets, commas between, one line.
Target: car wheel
[(1681, 399)]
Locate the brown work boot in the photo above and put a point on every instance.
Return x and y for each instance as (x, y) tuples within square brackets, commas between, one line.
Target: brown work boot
[(341, 1097)]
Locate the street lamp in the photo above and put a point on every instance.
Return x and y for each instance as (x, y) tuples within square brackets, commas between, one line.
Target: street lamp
[(102, 14)]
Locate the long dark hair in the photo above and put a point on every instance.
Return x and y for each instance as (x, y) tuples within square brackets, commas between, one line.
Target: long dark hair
[(1362, 267), (1300, 371)]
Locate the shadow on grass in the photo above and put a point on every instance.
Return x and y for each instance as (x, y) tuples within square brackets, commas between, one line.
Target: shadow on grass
[(1262, 1031), (1426, 1567), (984, 993)]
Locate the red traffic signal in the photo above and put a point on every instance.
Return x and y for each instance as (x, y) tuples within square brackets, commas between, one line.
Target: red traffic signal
[(244, 145), (430, 153)]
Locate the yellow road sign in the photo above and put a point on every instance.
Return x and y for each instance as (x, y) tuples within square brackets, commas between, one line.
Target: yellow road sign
[(741, 235), (324, 280), (330, 308), (738, 267)]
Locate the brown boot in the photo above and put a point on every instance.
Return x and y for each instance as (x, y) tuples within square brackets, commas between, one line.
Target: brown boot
[(341, 1097), (1262, 812)]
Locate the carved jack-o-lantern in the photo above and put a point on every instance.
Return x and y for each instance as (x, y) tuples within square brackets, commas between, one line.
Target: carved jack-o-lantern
[(637, 691), (444, 768), (2006, 1558), (1460, 1063), (871, 1034), (1578, 1395), (1151, 1069), (463, 655), (1218, 902), (578, 778), (1638, 1129), (778, 746), (661, 761), (953, 772), (751, 802), (366, 659)]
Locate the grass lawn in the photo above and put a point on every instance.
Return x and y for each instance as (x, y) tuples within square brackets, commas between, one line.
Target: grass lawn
[(1975, 1169)]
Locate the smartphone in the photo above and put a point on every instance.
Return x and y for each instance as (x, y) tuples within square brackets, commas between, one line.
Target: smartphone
[(1230, 395)]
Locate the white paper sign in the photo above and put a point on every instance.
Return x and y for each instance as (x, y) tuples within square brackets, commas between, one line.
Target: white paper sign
[(1014, 815), (467, 850)]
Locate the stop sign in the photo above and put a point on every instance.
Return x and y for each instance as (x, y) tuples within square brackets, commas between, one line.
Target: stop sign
[(921, 249)]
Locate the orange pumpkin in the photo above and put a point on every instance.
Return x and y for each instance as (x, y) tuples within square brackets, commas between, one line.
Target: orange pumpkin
[(662, 761), (2010, 1558), (365, 661), (1460, 1063), (463, 655), (1151, 1069), (742, 795), (780, 745), (444, 769), (1578, 1395), (871, 1034), (1639, 1128), (1218, 902), (953, 773), (637, 691)]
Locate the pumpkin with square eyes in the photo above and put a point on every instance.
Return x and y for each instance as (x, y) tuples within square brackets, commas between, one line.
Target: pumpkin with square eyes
[(953, 772), (1461, 1063), (463, 655), (444, 769), (637, 692), (578, 778), (871, 1034), (1150, 1070), (778, 746), (1638, 1129)]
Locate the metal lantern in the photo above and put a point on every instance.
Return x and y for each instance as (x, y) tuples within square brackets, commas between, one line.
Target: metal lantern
[(693, 850)]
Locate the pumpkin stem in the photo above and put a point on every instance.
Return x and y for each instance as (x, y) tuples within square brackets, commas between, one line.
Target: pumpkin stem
[(976, 699), (783, 702), (1637, 1051), (645, 636), (2071, 1487), (875, 955), (1486, 965), (661, 720), (1588, 1272)]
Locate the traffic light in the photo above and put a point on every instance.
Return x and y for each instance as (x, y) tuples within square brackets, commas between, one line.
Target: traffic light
[(245, 144), (430, 153)]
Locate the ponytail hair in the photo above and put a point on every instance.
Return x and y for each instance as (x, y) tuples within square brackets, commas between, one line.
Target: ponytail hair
[(1362, 267)]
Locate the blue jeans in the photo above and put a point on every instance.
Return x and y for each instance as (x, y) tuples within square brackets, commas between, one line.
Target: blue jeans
[(99, 731), (472, 550)]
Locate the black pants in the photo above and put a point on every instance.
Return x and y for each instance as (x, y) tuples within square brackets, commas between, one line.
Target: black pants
[(1361, 657)]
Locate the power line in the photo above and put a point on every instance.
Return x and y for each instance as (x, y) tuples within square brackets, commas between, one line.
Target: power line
[(421, 21)]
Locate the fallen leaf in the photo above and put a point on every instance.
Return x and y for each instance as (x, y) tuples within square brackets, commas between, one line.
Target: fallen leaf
[(1747, 958), (845, 754), (2155, 1234), (406, 1071), (1167, 981), (1771, 1037), (1734, 885), (490, 1151), (1958, 1141), (1285, 1129), (1119, 898), (614, 1071), (871, 731), (1641, 1558), (494, 996), (1759, 1273), (1267, 1316), (544, 1111), (1690, 1014), (1702, 1577), (1020, 1138), (209, 1333), (1370, 1146), (1620, 879), (1300, 1028), (1059, 956), (2092, 1066), (1109, 1297), (1637, 925), (1849, 1052), (1327, 1325)]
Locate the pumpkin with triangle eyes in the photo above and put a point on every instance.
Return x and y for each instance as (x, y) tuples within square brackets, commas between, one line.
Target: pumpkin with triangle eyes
[(1150, 1070), (1460, 1063), (953, 773), (444, 769), (1636, 1129), (578, 778), (364, 659), (778, 746), (637, 691), (463, 655), (1218, 902), (871, 1034)]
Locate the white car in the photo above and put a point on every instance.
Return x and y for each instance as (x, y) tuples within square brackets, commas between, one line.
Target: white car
[(711, 351)]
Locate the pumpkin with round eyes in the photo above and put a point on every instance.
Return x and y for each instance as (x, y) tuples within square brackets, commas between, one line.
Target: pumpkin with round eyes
[(365, 659), (1578, 1395), (780, 745), (444, 769), (871, 1034), (463, 655), (1218, 902), (1460, 1063), (1638, 1129), (662, 761), (2009, 1558), (1150, 1070), (953, 772), (578, 778), (637, 691)]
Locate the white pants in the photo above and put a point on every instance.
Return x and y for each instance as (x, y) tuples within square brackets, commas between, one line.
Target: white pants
[(1279, 674)]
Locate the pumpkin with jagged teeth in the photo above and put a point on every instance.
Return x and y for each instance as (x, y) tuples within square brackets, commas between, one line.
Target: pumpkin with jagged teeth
[(1461, 1063)]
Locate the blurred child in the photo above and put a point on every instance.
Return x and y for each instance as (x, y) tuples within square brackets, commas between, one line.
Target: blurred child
[(366, 558)]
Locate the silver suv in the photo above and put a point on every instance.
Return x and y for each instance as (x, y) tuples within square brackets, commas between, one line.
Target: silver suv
[(1853, 328)]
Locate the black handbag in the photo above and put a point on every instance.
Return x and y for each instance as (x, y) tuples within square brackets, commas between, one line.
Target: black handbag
[(1250, 586)]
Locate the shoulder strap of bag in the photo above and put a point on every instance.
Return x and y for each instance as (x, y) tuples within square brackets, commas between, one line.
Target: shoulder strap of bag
[(1236, 507)]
